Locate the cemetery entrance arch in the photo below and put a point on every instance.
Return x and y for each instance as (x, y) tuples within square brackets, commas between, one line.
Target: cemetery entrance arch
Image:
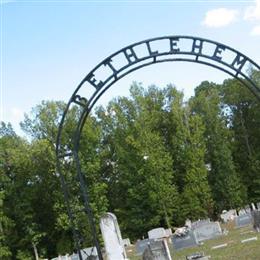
[(113, 68)]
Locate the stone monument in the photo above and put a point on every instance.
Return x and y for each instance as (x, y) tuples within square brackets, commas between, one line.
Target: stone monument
[(112, 237)]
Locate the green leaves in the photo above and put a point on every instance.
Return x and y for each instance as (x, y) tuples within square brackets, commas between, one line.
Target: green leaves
[(151, 158)]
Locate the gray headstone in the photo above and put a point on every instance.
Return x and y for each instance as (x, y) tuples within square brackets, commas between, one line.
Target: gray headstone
[(243, 220), (157, 250), (241, 212), (199, 223), (147, 254), (187, 240), (157, 233), (74, 257), (207, 231), (247, 209), (141, 245), (258, 205), (256, 220)]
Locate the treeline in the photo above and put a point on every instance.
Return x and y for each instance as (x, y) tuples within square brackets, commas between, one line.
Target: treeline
[(151, 158)]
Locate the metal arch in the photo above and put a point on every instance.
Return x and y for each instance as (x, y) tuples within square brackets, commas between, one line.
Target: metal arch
[(233, 66)]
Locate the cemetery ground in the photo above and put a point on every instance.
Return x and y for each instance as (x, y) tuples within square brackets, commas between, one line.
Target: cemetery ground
[(234, 249)]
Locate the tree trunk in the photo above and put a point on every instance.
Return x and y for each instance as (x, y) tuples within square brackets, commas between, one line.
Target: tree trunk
[(35, 252)]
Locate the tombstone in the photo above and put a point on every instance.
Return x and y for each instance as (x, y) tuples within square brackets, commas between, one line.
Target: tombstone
[(228, 215), (256, 220), (188, 223), (89, 253), (253, 206), (199, 223), (241, 212), (112, 237), (247, 209), (207, 231), (157, 233), (141, 245), (184, 241), (258, 205), (243, 220), (157, 250), (74, 257)]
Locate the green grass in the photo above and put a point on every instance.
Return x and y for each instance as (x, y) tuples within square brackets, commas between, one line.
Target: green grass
[(234, 250)]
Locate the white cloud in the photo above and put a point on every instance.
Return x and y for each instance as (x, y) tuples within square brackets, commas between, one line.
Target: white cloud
[(220, 17), (252, 12), (255, 31)]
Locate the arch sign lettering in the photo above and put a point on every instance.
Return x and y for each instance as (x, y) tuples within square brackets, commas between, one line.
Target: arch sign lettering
[(116, 66)]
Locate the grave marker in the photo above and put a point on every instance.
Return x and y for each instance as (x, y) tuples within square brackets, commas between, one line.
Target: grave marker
[(157, 233), (157, 250), (199, 223), (184, 241), (112, 237), (207, 231), (228, 215), (141, 245), (256, 220), (247, 209), (243, 220)]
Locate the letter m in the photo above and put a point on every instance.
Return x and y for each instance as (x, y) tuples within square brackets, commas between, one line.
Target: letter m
[(238, 62)]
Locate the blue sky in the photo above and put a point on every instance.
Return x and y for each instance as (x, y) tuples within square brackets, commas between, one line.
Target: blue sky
[(47, 47)]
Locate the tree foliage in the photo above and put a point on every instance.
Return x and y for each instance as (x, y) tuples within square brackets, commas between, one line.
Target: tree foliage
[(151, 158)]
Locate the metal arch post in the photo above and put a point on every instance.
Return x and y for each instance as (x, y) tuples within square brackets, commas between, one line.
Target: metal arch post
[(87, 205)]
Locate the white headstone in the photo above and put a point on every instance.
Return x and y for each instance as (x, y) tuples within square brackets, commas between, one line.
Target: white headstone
[(157, 233), (188, 223), (112, 237), (241, 212), (228, 215), (253, 206)]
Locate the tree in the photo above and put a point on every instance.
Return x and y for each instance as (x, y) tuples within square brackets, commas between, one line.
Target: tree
[(187, 147), (227, 189), (138, 168), (243, 119)]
